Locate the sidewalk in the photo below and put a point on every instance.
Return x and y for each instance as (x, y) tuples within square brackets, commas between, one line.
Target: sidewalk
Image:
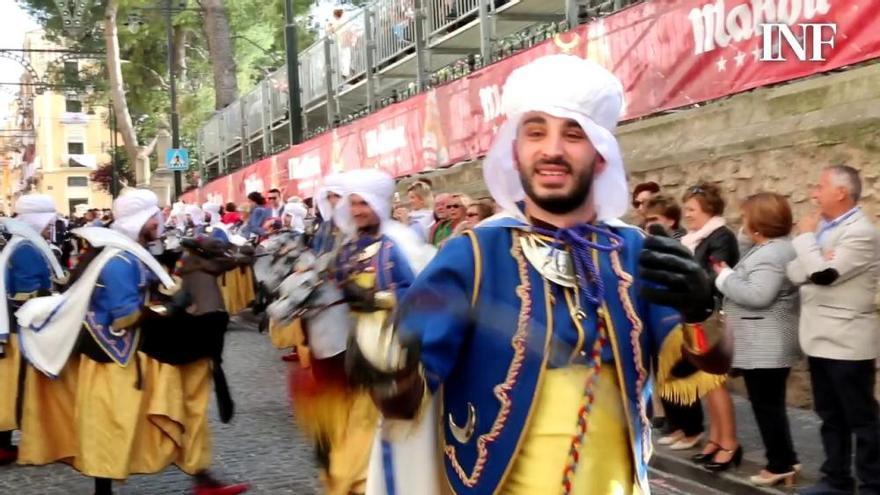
[(804, 431)]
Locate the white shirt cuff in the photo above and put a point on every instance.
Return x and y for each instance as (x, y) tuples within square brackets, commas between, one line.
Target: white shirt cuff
[(722, 276)]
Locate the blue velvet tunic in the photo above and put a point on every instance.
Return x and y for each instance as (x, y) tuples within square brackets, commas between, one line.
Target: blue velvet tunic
[(490, 324)]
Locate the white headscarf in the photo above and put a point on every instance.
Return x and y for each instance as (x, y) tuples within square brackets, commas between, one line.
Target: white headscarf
[(332, 184), (177, 216), (132, 209), (36, 210), (373, 186), (212, 209), (195, 213), (568, 87), (297, 211)]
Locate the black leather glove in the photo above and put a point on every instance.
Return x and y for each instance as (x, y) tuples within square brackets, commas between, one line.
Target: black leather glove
[(674, 278), (358, 298)]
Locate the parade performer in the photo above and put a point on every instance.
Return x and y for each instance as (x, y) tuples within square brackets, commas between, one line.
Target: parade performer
[(135, 410), (293, 216), (541, 325), (327, 236), (374, 268), (28, 267)]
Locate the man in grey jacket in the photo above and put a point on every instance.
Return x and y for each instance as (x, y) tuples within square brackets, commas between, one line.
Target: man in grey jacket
[(837, 268)]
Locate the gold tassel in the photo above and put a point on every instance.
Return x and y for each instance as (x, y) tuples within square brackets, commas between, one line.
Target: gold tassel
[(685, 390)]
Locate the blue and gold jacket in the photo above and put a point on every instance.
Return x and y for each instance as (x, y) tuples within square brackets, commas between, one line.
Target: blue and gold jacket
[(490, 324), (27, 274), (116, 305)]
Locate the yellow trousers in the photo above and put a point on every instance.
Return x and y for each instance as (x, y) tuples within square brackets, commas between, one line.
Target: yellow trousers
[(605, 467), (9, 374)]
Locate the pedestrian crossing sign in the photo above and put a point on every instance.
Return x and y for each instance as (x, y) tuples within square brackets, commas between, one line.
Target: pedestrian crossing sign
[(177, 159)]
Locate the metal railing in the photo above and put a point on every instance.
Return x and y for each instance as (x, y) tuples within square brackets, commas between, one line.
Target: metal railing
[(364, 46)]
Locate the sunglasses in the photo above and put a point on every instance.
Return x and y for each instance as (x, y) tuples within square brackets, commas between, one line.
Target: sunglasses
[(696, 190), (473, 215), (454, 207), (638, 204)]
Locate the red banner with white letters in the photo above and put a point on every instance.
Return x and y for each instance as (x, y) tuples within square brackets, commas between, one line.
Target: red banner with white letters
[(667, 53)]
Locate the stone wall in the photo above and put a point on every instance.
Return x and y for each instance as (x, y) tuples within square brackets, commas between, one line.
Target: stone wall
[(770, 139)]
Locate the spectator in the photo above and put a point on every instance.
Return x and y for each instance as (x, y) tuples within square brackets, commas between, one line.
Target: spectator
[(441, 228), (401, 214), (421, 201), (711, 242), (641, 194), (761, 311), (257, 216), (836, 267), (664, 211), (476, 213), (231, 216), (275, 203), (457, 208)]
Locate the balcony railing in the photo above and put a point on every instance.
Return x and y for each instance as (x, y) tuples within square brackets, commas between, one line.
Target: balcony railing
[(383, 53)]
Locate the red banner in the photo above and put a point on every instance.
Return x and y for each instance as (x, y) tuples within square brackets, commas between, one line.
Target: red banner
[(667, 53)]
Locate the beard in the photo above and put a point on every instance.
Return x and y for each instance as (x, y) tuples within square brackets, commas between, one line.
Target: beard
[(559, 203)]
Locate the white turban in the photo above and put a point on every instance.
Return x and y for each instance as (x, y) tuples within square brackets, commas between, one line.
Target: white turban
[(297, 211), (195, 213), (36, 210), (567, 87), (212, 209), (373, 186), (132, 210), (332, 184)]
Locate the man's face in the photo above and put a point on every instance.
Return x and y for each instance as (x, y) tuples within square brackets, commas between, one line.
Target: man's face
[(150, 231), (556, 162), (364, 216), (827, 195), (440, 203), (274, 199), (333, 199), (641, 202)]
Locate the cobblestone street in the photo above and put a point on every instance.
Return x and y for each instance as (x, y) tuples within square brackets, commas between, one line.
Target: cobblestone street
[(260, 446)]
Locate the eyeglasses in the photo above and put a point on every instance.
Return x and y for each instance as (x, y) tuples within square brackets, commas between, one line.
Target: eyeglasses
[(273, 198), (696, 190), (637, 203), (454, 207), (473, 215)]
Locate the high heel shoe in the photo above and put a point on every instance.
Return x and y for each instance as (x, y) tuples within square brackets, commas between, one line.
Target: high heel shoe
[(704, 457), (766, 478), (735, 460)]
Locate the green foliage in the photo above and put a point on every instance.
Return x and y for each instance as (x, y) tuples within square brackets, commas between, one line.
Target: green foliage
[(258, 40)]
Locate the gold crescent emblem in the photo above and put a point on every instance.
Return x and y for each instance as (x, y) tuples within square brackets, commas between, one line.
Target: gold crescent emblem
[(464, 434), (567, 46)]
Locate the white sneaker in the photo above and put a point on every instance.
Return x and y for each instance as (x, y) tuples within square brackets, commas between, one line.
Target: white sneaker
[(671, 438), (687, 443)]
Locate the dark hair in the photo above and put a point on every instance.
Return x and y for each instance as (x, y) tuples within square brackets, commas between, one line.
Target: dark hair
[(484, 209), (276, 191), (769, 214), (708, 196), (230, 206), (651, 187), (257, 198), (665, 206)]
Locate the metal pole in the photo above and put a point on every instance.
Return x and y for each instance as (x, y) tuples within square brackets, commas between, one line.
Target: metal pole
[(175, 123), (114, 181), (369, 57), (295, 103), (329, 80), (421, 44), (485, 32), (571, 13)]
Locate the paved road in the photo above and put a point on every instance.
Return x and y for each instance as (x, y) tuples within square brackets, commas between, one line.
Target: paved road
[(260, 446)]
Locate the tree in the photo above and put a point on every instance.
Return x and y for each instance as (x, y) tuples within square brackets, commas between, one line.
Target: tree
[(103, 175), (220, 46)]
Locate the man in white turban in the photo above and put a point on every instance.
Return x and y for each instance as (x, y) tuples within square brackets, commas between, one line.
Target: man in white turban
[(118, 423), (27, 264), (327, 199), (374, 267), (533, 324), (293, 215)]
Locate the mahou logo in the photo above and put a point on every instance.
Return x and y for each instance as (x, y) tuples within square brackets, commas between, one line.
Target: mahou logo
[(716, 26)]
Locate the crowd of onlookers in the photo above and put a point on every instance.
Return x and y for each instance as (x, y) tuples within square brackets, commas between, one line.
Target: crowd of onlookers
[(784, 290)]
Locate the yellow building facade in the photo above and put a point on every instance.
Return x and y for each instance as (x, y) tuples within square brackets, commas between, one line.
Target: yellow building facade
[(72, 139)]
